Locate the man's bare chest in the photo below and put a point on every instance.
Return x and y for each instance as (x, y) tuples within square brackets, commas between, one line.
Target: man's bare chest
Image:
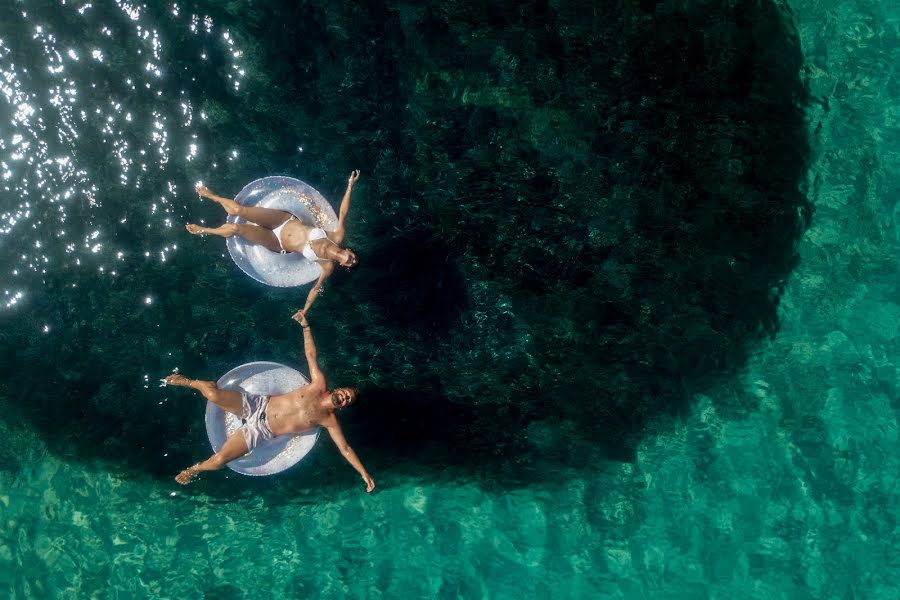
[(297, 410)]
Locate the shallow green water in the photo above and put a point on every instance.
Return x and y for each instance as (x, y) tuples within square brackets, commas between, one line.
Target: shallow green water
[(578, 229)]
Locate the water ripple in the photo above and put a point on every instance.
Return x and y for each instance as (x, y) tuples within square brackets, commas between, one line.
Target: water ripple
[(99, 111)]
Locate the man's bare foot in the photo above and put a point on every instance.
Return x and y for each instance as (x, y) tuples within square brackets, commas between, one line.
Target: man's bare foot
[(187, 476), (177, 379), (194, 229)]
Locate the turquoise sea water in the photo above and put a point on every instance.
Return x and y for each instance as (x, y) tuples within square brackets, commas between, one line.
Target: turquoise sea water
[(603, 350)]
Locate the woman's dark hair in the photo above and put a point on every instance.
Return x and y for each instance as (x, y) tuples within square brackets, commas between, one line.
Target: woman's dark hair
[(355, 259)]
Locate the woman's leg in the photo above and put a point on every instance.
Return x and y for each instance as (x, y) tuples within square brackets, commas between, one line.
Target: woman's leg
[(235, 447), (252, 233), (229, 400), (267, 217)]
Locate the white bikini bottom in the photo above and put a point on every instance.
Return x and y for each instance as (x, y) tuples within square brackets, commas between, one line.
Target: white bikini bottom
[(277, 232)]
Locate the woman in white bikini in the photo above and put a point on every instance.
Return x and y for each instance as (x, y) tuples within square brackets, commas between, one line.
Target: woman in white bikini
[(282, 232)]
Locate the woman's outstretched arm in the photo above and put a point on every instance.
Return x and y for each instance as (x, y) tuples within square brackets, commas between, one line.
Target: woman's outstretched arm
[(338, 235), (327, 270)]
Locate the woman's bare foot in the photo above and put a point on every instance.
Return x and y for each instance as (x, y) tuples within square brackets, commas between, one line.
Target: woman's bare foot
[(187, 476), (230, 206), (194, 229), (177, 379)]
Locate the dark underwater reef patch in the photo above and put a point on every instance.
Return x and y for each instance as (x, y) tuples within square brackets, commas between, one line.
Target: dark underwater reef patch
[(624, 186), (572, 218)]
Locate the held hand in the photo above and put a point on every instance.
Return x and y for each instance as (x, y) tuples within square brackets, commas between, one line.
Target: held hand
[(353, 177), (300, 317), (370, 483)]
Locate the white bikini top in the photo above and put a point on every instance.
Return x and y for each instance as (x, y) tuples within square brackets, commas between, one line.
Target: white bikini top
[(316, 233)]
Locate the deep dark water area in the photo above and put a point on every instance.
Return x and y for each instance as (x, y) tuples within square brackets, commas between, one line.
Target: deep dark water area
[(572, 218)]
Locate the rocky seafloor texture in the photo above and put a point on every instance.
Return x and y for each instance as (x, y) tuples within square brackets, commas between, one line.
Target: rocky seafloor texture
[(591, 359)]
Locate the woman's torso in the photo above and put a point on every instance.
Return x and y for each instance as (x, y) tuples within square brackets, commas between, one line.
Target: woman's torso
[(295, 236)]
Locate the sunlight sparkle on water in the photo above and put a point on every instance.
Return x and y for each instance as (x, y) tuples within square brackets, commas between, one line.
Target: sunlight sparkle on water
[(74, 152)]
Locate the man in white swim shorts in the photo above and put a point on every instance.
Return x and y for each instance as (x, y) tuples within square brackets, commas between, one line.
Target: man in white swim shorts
[(299, 410)]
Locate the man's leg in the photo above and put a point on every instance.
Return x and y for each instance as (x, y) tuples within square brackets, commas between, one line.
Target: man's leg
[(235, 447), (229, 400), (252, 233)]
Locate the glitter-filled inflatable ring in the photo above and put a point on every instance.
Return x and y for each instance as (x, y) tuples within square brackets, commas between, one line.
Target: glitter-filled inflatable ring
[(272, 456), (293, 196)]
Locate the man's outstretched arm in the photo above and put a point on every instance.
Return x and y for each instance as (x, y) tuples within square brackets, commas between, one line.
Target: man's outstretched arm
[(309, 347), (334, 430)]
